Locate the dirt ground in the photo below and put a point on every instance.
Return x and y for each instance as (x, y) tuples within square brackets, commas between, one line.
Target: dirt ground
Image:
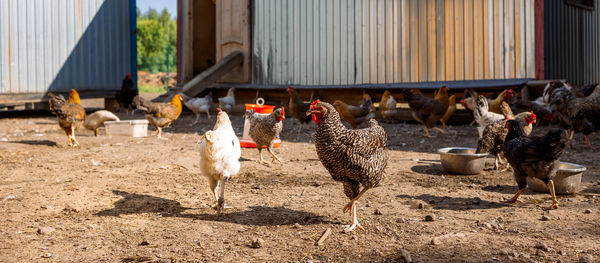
[(121, 199)]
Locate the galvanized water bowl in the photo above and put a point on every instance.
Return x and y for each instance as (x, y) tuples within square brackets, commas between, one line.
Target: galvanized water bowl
[(461, 160)]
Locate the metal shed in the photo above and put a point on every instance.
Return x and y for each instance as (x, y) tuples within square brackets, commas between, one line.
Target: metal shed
[(61, 45), (385, 43), (572, 41)]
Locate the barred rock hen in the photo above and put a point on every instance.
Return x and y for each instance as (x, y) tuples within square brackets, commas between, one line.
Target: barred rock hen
[(159, 114), (219, 157), (354, 157), (572, 110), (264, 129), (126, 94), (534, 156), (71, 115), (425, 110), (492, 139)]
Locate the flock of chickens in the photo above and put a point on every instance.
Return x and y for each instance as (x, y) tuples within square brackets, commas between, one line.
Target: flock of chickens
[(358, 157)]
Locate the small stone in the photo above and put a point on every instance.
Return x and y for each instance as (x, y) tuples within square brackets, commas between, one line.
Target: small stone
[(164, 260), (588, 211), (421, 206), (435, 241), (562, 252), (401, 220), (429, 218), (545, 218), (378, 212), (487, 225), (586, 259), (540, 253), (45, 230), (144, 243), (406, 256), (258, 243), (296, 225), (542, 246), (441, 218), (47, 255)]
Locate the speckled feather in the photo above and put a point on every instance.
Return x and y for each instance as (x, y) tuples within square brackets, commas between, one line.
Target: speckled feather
[(355, 157), (264, 129)]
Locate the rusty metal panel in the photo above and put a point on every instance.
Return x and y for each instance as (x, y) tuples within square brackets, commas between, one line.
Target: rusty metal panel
[(341, 42), (59, 45), (572, 41)]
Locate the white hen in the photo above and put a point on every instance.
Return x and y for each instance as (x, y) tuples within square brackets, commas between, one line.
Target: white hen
[(97, 119), (198, 105), (219, 157), (226, 103)]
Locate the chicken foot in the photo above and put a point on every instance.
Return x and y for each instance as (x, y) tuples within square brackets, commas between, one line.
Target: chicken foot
[(554, 205), (587, 142), (427, 133), (260, 157), (440, 130), (273, 154), (349, 206), (514, 198), (214, 187), (355, 223), (72, 141), (159, 133)]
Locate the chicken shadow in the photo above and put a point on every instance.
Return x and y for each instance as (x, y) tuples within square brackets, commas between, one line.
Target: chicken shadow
[(262, 216), (132, 203), (430, 169), (454, 203), (36, 142), (137, 203), (504, 189)]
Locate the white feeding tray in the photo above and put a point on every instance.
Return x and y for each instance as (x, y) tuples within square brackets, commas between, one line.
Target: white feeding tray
[(133, 128)]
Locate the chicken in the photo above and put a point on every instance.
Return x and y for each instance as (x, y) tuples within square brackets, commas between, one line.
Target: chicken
[(571, 110), (495, 105), (126, 94), (219, 157), (264, 129), (297, 107), (442, 96), (449, 111), (493, 135), (71, 115), (226, 103), (198, 105), (354, 157), (354, 115), (534, 156), (97, 119), (483, 116), (159, 114), (425, 110), (387, 107)]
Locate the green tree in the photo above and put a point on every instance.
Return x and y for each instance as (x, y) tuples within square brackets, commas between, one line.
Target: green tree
[(155, 33)]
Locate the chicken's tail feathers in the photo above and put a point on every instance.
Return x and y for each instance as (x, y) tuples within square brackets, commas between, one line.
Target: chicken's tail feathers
[(140, 103)]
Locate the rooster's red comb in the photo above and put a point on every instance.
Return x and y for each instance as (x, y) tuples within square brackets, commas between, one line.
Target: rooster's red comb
[(533, 115), (510, 91)]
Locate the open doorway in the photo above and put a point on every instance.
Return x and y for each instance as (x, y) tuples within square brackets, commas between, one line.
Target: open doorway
[(204, 37)]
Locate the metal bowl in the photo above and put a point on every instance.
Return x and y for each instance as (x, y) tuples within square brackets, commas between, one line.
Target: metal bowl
[(460, 160), (566, 181)]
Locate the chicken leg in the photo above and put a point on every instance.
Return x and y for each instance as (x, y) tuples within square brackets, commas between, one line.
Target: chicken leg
[(355, 223), (273, 154), (439, 130), (427, 132), (159, 133), (554, 205), (587, 142), (514, 198), (75, 142), (260, 157), (221, 200)]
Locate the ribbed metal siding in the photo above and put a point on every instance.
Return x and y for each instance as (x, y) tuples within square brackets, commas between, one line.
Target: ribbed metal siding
[(572, 42), (59, 45), (337, 42)]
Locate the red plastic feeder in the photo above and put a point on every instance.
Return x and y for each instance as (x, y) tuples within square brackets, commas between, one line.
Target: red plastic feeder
[(260, 108)]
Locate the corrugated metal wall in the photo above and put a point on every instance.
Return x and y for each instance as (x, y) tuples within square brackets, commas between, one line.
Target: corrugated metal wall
[(572, 42), (329, 42), (59, 45)]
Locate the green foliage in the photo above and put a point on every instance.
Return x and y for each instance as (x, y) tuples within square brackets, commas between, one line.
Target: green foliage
[(151, 89), (156, 32)]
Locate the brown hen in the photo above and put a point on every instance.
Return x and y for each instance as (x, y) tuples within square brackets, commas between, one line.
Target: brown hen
[(70, 114)]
